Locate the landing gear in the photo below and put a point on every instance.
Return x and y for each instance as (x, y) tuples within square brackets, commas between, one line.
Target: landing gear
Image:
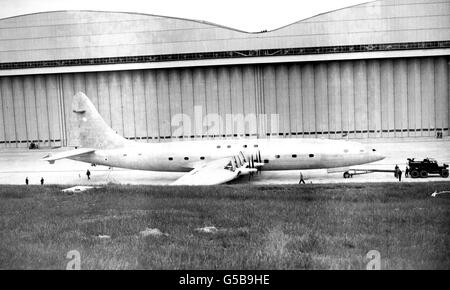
[(347, 174)]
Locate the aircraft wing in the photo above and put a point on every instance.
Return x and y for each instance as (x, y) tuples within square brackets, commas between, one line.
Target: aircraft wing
[(214, 172), (51, 158)]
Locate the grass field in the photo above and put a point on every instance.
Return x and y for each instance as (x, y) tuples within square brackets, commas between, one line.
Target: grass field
[(259, 227)]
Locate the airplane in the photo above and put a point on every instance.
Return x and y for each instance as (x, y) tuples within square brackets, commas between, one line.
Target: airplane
[(207, 162)]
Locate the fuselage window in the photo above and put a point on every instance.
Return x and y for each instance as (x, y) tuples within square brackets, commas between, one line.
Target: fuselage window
[(229, 146), (266, 160), (186, 158), (374, 150), (124, 155), (311, 155), (170, 158), (245, 146), (346, 150), (202, 158), (139, 154), (294, 155), (277, 156), (362, 150), (218, 146), (256, 145)]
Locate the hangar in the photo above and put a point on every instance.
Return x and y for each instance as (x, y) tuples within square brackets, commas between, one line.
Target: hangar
[(374, 70)]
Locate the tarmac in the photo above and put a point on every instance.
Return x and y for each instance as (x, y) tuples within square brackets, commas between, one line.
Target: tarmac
[(17, 164)]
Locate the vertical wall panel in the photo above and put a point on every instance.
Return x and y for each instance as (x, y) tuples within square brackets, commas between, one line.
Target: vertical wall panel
[(200, 109), (30, 109), (104, 102), (237, 100), (139, 103), (428, 97), (53, 110), (348, 100), (414, 99), (400, 96), (2, 120), (151, 102), (387, 98), (225, 99), (441, 91), (41, 106), (295, 100), (79, 83), (127, 104), (212, 103), (374, 98), (360, 94), (309, 118), (91, 88), (282, 99), (321, 99), (115, 92), (8, 111), (334, 100), (270, 100), (187, 100), (162, 92), (19, 111), (174, 98), (68, 91), (249, 94)]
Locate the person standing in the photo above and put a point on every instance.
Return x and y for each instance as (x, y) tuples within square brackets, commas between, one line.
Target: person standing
[(88, 174), (301, 178), (42, 180), (26, 180), (399, 172), (406, 171)]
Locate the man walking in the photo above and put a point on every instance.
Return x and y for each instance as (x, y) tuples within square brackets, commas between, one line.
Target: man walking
[(88, 173), (301, 178)]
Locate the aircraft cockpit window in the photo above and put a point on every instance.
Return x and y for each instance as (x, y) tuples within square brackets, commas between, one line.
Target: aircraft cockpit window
[(294, 155), (186, 158), (266, 160), (311, 155)]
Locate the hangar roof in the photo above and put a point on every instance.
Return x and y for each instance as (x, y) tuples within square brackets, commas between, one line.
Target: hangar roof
[(95, 34)]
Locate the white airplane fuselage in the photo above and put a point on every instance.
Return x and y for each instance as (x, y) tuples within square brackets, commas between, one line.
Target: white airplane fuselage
[(276, 154)]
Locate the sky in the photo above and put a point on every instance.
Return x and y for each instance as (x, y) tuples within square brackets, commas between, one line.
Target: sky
[(247, 15)]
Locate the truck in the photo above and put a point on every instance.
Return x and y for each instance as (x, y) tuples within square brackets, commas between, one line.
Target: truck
[(426, 167)]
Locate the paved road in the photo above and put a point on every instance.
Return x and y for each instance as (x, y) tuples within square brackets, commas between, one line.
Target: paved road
[(16, 164)]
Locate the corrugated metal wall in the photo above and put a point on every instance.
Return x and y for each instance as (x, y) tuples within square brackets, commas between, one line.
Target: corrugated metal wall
[(361, 98)]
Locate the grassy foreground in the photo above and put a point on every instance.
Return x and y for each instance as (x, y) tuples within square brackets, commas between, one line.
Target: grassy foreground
[(309, 226)]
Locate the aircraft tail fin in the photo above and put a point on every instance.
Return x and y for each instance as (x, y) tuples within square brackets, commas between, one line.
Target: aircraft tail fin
[(89, 128)]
